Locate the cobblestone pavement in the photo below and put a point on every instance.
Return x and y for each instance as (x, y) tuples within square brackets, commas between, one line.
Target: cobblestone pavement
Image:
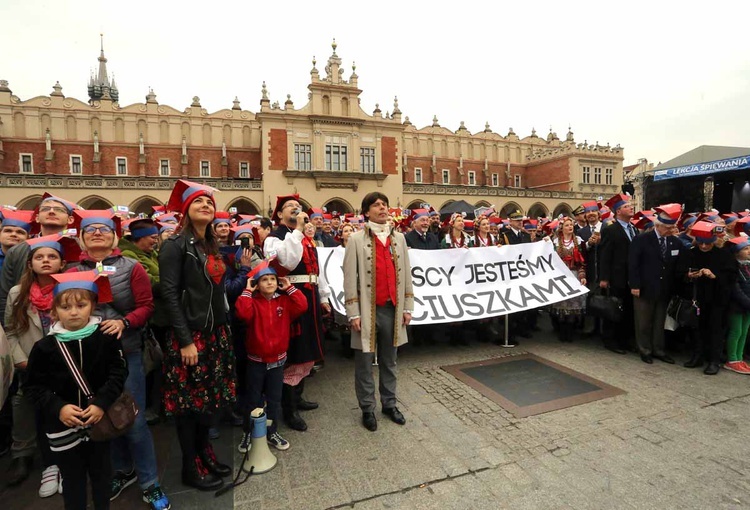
[(676, 439)]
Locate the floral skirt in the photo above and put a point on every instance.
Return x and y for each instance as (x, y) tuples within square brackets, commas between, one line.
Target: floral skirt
[(205, 387)]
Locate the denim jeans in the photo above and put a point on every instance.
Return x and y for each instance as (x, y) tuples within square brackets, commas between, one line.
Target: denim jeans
[(136, 448), (263, 382)]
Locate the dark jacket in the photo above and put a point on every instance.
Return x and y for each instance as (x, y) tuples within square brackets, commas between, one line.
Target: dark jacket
[(709, 292), (51, 386), (648, 271), (194, 301), (741, 291), (507, 236), (613, 256), (416, 241)]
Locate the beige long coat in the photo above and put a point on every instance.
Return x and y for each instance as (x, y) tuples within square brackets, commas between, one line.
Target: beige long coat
[(359, 287), (21, 344)]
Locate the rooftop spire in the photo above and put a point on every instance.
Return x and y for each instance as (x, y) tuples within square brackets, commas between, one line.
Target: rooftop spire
[(100, 85)]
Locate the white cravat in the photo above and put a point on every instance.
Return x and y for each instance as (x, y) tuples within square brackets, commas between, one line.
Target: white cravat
[(382, 231)]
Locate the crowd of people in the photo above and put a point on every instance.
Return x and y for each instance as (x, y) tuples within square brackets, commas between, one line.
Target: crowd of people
[(238, 308)]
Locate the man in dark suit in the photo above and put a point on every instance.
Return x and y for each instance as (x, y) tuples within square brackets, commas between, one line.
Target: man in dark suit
[(579, 213), (521, 323), (591, 236), (613, 270), (652, 261), (420, 237)]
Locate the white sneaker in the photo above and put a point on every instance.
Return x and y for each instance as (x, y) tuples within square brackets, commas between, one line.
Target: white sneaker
[(59, 486), (50, 482), (246, 443)]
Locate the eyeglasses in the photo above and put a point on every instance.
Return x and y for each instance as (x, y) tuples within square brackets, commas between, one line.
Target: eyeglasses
[(48, 208), (104, 229)]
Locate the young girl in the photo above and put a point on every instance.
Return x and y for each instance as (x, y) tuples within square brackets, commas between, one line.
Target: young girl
[(739, 308), (66, 413), (268, 316), (27, 320)]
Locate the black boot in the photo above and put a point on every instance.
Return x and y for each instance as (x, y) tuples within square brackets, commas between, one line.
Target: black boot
[(712, 368), (289, 409), (195, 474), (208, 457), (19, 470), (695, 362), (302, 404)]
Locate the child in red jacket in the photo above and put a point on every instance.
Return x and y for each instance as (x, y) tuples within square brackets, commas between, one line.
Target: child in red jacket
[(268, 315)]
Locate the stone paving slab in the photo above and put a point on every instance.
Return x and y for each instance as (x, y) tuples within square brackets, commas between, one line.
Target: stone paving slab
[(677, 439)]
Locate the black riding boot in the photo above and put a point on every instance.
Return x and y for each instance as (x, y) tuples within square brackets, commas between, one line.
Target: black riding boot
[(289, 409)]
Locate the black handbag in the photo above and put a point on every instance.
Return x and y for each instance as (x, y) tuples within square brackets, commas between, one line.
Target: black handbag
[(120, 416), (684, 311), (601, 304), (152, 353)]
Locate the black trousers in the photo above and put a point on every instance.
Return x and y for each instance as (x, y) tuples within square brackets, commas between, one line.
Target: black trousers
[(707, 340), (89, 459)]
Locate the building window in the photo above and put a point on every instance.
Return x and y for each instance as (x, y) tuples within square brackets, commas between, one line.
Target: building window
[(586, 174), (417, 175), (26, 163), (302, 156), (163, 168), (205, 168), (516, 181), (76, 165), (244, 170), (122, 166), (367, 159), (597, 175), (495, 180), (336, 157), (607, 176), (472, 178), (446, 176)]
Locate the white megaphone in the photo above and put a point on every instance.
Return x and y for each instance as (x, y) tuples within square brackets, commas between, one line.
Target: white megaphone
[(259, 459)]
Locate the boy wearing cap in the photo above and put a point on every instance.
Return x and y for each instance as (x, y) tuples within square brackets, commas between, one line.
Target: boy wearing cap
[(53, 215), (613, 270), (267, 307), (651, 267)]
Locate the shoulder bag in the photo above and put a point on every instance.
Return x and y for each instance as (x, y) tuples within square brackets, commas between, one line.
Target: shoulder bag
[(601, 304), (685, 311), (120, 416)]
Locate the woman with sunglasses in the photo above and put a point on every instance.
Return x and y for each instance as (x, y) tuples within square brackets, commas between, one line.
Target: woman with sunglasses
[(133, 455)]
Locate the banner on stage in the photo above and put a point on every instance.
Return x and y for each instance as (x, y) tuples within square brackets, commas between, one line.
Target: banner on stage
[(468, 284)]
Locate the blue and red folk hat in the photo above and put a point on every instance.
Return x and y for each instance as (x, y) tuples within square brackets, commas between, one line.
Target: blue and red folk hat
[(703, 232), (246, 229), (222, 217), (314, 212), (144, 227), (265, 267), (280, 201), (415, 214), (185, 192), (668, 214), (617, 201), (530, 224), (48, 197), (95, 281), (63, 243), (103, 216), (738, 243), (18, 219), (590, 206), (644, 222)]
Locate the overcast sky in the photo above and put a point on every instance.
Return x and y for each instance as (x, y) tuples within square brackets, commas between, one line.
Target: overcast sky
[(659, 78)]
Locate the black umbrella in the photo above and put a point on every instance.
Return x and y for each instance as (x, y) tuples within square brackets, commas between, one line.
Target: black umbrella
[(460, 206)]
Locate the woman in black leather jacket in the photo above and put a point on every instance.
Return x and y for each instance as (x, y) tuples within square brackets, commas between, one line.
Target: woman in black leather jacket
[(199, 362)]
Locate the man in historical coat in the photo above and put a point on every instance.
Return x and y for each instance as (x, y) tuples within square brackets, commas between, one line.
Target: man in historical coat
[(379, 303)]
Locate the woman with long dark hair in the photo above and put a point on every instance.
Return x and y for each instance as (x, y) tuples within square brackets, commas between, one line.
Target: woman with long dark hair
[(199, 362), (566, 314)]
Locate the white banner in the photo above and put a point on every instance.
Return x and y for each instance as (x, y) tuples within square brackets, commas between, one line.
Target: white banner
[(466, 284)]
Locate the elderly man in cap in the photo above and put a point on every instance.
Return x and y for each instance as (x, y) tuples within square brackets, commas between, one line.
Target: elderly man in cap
[(651, 267), (613, 271), (297, 256)]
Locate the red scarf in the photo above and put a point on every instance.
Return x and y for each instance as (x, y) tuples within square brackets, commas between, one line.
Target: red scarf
[(310, 255), (41, 297)]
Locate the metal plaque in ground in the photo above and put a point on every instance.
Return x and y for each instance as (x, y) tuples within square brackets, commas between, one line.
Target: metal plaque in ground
[(527, 385)]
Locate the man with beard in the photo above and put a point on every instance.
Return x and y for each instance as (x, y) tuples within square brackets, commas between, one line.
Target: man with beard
[(297, 256)]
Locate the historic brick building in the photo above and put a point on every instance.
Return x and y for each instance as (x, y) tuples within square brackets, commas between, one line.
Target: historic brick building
[(330, 151)]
